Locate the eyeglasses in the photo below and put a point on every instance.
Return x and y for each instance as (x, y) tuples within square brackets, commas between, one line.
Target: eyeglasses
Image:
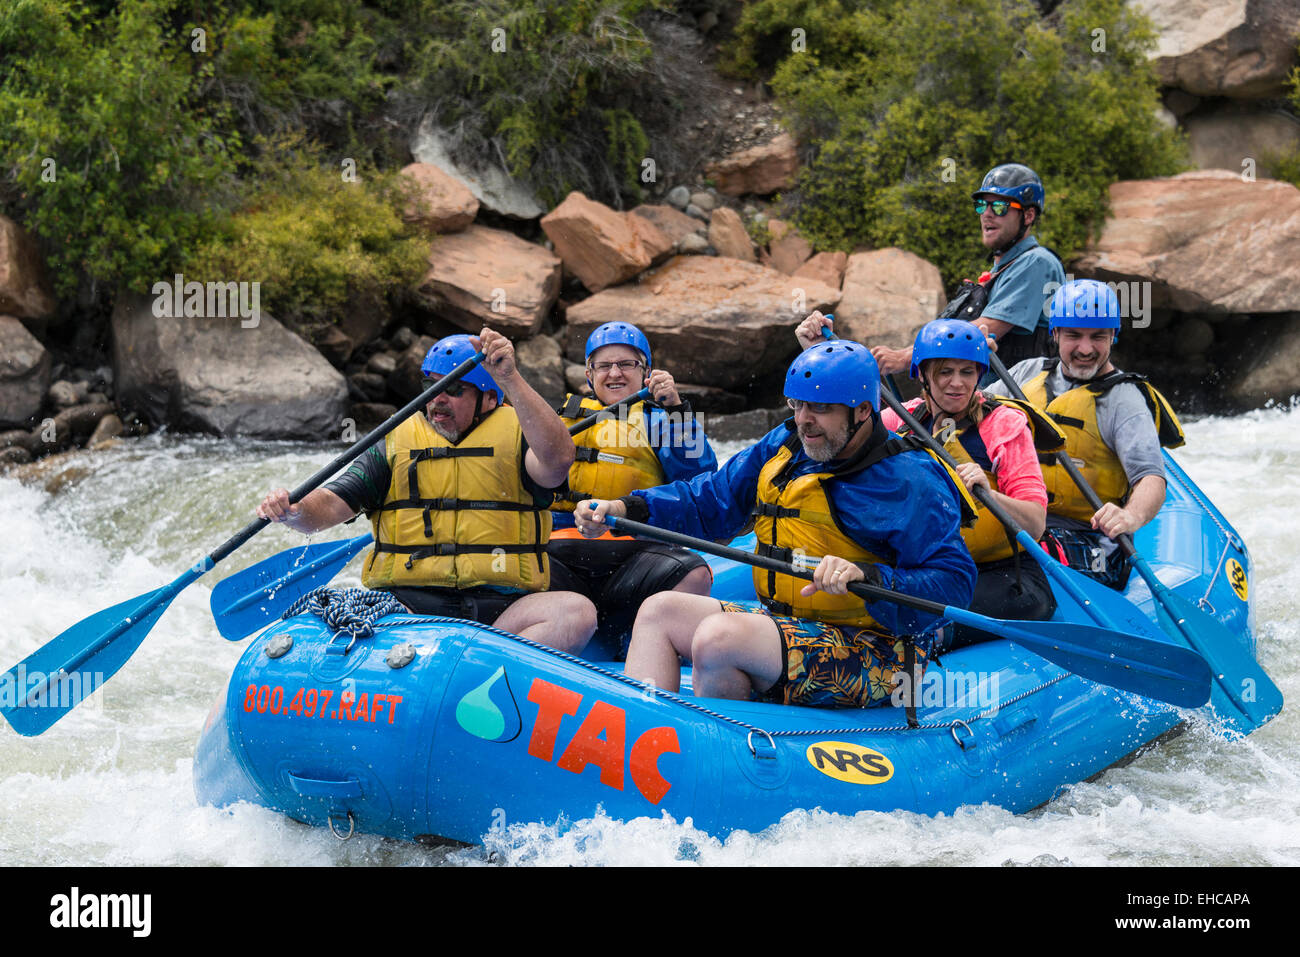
[(455, 390), (816, 408), (1000, 206), (624, 365)]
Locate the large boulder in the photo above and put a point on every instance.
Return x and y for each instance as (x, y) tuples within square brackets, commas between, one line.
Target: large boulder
[(490, 277), (1239, 48), (759, 170), (597, 244), (1207, 241), (673, 223), (216, 375), (826, 267), (1273, 371), (24, 373), (491, 185), (788, 249), (1227, 137), (710, 320), (728, 236), (541, 363), (888, 294), (24, 290), (442, 203)]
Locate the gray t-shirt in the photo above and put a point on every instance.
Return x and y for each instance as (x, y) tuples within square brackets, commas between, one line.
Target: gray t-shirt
[(1123, 419)]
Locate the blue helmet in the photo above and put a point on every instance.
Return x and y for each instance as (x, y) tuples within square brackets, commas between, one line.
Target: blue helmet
[(839, 371), (950, 339), (450, 352), (1014, 182), (1084, 304), (618, 334)]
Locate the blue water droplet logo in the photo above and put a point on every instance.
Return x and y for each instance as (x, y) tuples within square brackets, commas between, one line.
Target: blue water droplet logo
[(480, 711)]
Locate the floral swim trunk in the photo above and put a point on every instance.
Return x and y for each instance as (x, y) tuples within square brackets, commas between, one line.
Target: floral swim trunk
[(831, 666)]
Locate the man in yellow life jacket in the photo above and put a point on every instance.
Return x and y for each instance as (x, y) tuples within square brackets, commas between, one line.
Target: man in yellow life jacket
[(831, 487), (458, 498), (637, 445), (1114, 423)]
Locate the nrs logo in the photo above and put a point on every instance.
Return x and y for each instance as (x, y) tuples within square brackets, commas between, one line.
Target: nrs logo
[(1237, 578), (849, 762)]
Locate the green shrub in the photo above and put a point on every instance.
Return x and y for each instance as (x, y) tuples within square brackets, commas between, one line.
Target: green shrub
[(548, 86), (910, 104), (315, 240), (108, 156)]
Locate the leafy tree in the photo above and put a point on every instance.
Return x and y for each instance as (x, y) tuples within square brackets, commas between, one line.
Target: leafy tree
[(907, 106)]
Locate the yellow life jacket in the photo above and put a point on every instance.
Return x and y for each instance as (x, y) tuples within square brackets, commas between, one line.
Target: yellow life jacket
[(458, 516), (795, 521), (987, 539), (1075, 412), (614, 456)]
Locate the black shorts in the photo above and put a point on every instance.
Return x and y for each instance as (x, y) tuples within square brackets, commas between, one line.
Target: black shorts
[(481, 604), (1000, 594), (617, 575)]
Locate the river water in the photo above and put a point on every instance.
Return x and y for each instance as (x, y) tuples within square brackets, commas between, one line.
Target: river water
[(110, 784)]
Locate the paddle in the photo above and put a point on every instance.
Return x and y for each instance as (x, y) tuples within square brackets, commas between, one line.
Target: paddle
[(1154, 669), (251, 599), (58, 676), (1242, 694)]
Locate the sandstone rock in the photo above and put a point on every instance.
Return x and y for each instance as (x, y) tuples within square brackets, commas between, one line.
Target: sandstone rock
[(1274, 372), (1207, 242), (369, 415), (214, 375), (490, 184), (109, 428), (382, 363), (704, 201), (368, 386), (64, 393), (443, 204), (743, 426), (760, 170), (24, 289), (1226, 138), (24, 373), (334, 345), (693, 245), (888, 294), (575, 378), (597, 243), (1239, 48), (825, 267), (788, 249), (76, 424), (652, 239), (675, 225), (541, 362), (14, 455), (406, 380), (491, 277), (20, 438), (727, 235), (705, 398), (719, 321)]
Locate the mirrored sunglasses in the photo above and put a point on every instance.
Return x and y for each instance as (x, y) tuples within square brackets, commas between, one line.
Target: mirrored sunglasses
[(1000, 206)]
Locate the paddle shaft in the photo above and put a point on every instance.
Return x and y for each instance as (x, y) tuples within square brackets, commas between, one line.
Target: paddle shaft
[(583, 425), (862, 589)]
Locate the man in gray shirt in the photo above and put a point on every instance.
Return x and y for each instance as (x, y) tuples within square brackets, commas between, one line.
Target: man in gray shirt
[(1112, 424)]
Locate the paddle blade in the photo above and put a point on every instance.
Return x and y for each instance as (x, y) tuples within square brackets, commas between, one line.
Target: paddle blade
[(1155, 669), (251, 599), (57, 677), (1243, 696)]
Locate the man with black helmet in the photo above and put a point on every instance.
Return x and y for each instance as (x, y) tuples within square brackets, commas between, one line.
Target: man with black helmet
[(1009, 299)]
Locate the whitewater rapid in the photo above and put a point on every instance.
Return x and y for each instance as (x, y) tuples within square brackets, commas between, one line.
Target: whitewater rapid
[(110, 784)]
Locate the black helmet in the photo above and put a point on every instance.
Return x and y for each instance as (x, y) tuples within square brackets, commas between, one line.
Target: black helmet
[(1014, 182)]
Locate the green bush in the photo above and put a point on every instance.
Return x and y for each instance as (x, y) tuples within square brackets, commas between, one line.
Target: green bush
[(108, 156), (314, 238), (908, 105), (547, 86)]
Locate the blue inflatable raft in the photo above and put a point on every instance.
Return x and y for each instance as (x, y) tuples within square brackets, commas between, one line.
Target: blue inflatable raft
[(444, 728)]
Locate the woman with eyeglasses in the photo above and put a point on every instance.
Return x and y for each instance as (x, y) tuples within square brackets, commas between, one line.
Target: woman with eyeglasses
[(640, 444), (995, 443), (1009, 298)]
